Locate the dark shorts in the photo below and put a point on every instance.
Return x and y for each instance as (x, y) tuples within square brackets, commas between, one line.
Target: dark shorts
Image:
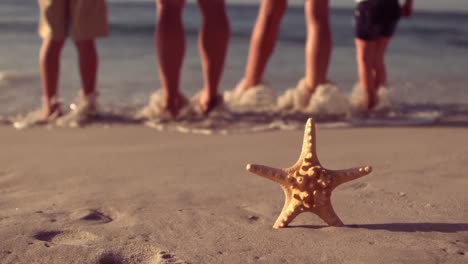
[(376, 18)]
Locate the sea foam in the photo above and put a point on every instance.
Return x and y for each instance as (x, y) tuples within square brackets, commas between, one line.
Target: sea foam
[(326, 100)]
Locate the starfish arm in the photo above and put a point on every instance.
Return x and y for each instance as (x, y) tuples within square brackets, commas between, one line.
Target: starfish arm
[(274, 174), (327, 214), (342, 176), (309, 151), (289, 212), (287, 197)]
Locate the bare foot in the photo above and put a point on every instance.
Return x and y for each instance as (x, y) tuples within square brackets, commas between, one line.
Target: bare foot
[(372, 100), (309, 89), (207, 101), (173, 103), (51, 109), (244, 86)]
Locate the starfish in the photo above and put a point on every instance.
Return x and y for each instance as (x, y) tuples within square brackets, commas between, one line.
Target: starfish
[(307, 185)]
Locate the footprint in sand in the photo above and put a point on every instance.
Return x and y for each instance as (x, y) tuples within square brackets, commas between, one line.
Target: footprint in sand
[(111, 258), (97, 216), (456, 247), (47, 236), (92, 216), (120, 257), (68, 237), (164, 257)]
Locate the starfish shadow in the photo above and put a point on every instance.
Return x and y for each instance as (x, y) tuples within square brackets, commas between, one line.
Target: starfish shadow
[(404, 227)]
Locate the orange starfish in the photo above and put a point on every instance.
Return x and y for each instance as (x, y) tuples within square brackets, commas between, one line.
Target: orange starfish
[(307, 185)]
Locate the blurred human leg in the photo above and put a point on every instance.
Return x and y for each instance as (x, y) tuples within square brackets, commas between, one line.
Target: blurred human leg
[(88, 64), (170, 47), (365, 58), (318, 45), (49, 62), (379, 66), (263, 40), (213, 43), (53, 25)]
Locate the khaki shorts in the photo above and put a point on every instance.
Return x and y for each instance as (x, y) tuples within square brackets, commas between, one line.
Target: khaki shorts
[(85, 19)]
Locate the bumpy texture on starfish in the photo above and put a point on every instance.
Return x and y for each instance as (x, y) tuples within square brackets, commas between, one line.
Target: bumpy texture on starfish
[(307, 185)]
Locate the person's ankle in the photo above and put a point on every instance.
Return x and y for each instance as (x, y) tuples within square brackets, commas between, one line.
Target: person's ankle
[(87, 94), (172, 102), (310, 89), (49, 107), (207, 100), (209, 92), (246, 84), (49, 101), (372, 100)]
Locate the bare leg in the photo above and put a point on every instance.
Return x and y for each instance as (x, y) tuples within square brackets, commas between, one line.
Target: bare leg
[(212, 42), (263, 40), (170, 46), (318, 46), (88, 61), (380, 69), (49, 62), (365, 58)]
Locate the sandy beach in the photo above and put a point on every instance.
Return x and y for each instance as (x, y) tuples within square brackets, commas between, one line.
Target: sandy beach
[(134, 195), (150, 129)]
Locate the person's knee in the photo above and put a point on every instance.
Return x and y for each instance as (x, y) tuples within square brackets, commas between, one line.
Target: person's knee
[(169, 14), (53, 44), (86, 42), (207, 5), (85, 45), (217, 23), (212, 8), (279, 7), (171, 5), (365, 59), (214, 14), (379, 57), (317, 11)]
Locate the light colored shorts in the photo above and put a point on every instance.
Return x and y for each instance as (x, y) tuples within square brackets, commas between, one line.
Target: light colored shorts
[(85, 19)]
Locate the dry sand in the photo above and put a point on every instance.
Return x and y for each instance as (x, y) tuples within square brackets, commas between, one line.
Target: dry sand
[(133, 195)]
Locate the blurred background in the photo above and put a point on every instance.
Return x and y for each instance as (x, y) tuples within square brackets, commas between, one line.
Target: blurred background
[(427, 59)]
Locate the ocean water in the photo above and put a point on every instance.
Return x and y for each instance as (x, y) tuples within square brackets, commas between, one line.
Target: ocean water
[(427, 59)]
